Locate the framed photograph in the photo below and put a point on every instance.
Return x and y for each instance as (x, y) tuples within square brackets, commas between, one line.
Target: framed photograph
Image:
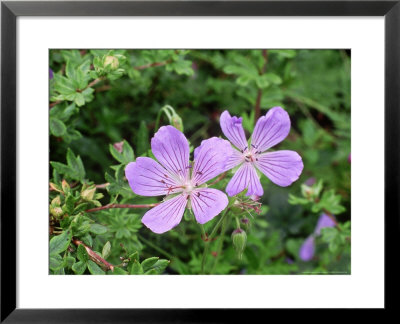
[(162, 158)]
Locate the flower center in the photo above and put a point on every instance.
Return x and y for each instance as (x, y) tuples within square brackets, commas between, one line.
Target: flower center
[(250, 154), (188, 188)]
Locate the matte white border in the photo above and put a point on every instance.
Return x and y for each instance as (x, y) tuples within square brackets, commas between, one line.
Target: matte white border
[(363, 288)]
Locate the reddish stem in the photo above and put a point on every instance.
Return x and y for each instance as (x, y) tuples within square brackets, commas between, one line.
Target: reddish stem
[(94, 256)]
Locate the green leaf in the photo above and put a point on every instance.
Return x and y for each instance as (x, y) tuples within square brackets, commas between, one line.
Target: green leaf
[(106, 250), (151, 272), (75, 163), (57, 127), (262, 81), (98, 229), (87, 239), (61, 168), (60, 242), (69, 203), (136, 268), (56, 262), (160, 265), (273, 78), (70, 261), (79, 99), (149, 263), (82, 253), (94, 269), (79, 267), (125, 156)]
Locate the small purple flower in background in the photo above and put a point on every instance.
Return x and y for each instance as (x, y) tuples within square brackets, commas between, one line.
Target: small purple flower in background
[(349, 158), (307, 249), (281, 167), (173, 176), (50, 74)]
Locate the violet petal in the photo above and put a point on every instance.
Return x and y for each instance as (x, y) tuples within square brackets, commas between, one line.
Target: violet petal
[(233, 130), (210, 159), (207, 203), (323, 221), (171, 148), (148, 178), (271, 129), (281, 167), (245, 176), (165, 216), (307, 249)]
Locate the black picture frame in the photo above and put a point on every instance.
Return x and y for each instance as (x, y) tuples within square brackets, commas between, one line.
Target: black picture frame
[(10, 10)]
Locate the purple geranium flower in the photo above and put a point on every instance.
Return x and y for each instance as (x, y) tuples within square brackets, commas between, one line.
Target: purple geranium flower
[(281, 167), (173, 177), (307, 249), (50, 74)]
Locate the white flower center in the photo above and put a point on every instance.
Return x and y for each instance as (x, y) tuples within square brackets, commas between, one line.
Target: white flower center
[(250, 154), (188, 187)]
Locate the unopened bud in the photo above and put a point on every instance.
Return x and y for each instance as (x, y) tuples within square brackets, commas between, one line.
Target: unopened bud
[(307, 191), (239, 239), (56, 201), (176, 121), (88, 193), (56, 211), (111, 61), (65, 186)]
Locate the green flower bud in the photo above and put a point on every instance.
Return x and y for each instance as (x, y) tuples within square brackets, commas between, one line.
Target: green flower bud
[(56, 211), (307, 191), (239, 239), (176, 121), (111, 61), (88, 194), (65, 186), (56, 202)]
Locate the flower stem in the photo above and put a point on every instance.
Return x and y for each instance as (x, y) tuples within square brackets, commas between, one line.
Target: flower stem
[(155, 247), (207, 243), (220, 243), (162, 110)]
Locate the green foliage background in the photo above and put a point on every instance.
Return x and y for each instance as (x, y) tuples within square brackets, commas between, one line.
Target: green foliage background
[(102, 97)]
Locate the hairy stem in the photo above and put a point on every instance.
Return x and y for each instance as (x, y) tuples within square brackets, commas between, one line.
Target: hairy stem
[(210, 237), (155, 247), (94, 256), (220, 244), (120, 206)]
